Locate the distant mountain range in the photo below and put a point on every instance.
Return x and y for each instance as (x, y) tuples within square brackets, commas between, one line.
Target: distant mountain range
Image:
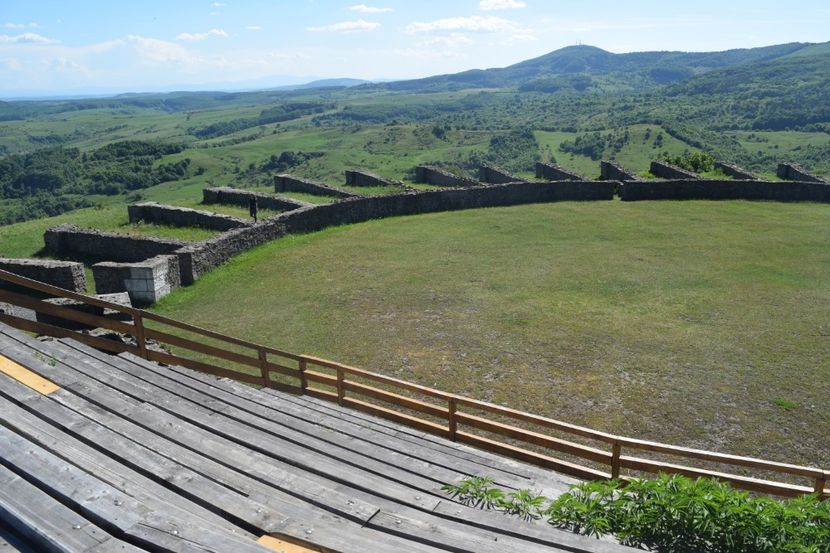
[(587, 68)]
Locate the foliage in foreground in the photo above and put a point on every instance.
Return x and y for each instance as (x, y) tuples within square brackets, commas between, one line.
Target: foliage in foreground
[(671, 514)]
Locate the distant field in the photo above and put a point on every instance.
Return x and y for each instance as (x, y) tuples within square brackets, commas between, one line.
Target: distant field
[(696, 323)]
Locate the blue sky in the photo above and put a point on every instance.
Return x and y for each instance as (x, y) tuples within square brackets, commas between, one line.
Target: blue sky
[(56, 47)]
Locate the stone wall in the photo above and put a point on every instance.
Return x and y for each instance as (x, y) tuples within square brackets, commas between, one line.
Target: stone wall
[(152, 212), (496, 175), (554, 172), (146, 282), (364, 178), (665, 170), (611, 170), (438, 177), (201, 257), (290, 183), (791, 171), (235, 196), (68, 275), (725, 190), (73, 242), (734, 171)]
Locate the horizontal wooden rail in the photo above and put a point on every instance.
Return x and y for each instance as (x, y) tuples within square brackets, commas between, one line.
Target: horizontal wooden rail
[(456, 415)]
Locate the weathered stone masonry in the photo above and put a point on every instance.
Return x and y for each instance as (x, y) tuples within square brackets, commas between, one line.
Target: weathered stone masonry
[(791, 171), (725, 190), (496, 175), (611, 170), (554, 172), (146, 281), (290, 183), (364, 178), (436, 176), (734, 171), (74, 242), (152, 212), (234, 196), (668, 171), (68, 275)]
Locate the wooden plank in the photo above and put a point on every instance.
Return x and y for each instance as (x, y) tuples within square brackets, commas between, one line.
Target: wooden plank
[(535, 438), (315, 376), (536, 419), (42, 519), (58, 332), (415, 422), (27, 377), (724, 458), (532, 457), (203, 367), (207, 349), (64, 312), (378, 377), (285, 544), (349, 430), (402, 401), (743, 482), (216, 335)]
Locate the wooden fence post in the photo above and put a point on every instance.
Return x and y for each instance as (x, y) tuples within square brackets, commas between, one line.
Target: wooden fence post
[(452, 407), (821, 481), (141, 341), (341, 390), (303, 379), (263, 367), (615, 459)]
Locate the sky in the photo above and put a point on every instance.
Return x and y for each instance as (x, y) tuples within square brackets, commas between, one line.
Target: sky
[(58, 47)]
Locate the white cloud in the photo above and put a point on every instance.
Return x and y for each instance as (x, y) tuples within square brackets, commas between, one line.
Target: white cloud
[(346, 27), (25, 38), (253, 28), (218, 5), (452, 40), (476, 23), (155, 51), (363, 8), (202, 36), (20, 25), (490, 5)]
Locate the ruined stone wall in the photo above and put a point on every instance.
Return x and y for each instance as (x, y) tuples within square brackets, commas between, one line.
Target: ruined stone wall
[(290, 183), (665, 170), (146, 281), (235, 196), (554, 172), (734, 171), (495, 175), (611, 170), (68, 275), (152, 212), (725, 190), (74, 242), (793, 172), (364, 178), (436, 176)]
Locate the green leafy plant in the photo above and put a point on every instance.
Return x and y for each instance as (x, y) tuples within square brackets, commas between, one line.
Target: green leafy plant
[(670, 514), (477, 491)]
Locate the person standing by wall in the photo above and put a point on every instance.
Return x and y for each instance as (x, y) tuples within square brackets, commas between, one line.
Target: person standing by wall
[(252, 207)]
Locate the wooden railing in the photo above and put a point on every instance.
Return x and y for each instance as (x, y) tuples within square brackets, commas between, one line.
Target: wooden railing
[(516, 434)]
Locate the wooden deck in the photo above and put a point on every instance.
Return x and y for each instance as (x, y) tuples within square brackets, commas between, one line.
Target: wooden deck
[(105, 453)]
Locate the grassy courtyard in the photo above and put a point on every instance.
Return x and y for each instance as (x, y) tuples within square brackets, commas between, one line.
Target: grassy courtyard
[(697, 323)]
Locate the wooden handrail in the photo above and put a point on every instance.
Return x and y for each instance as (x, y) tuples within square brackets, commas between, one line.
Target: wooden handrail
[(448, 410)]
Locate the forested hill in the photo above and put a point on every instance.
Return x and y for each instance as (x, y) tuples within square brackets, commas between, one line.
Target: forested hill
[(582, 68)]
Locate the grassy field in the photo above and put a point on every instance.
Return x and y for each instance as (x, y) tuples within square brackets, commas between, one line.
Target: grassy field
[(696, 323)]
